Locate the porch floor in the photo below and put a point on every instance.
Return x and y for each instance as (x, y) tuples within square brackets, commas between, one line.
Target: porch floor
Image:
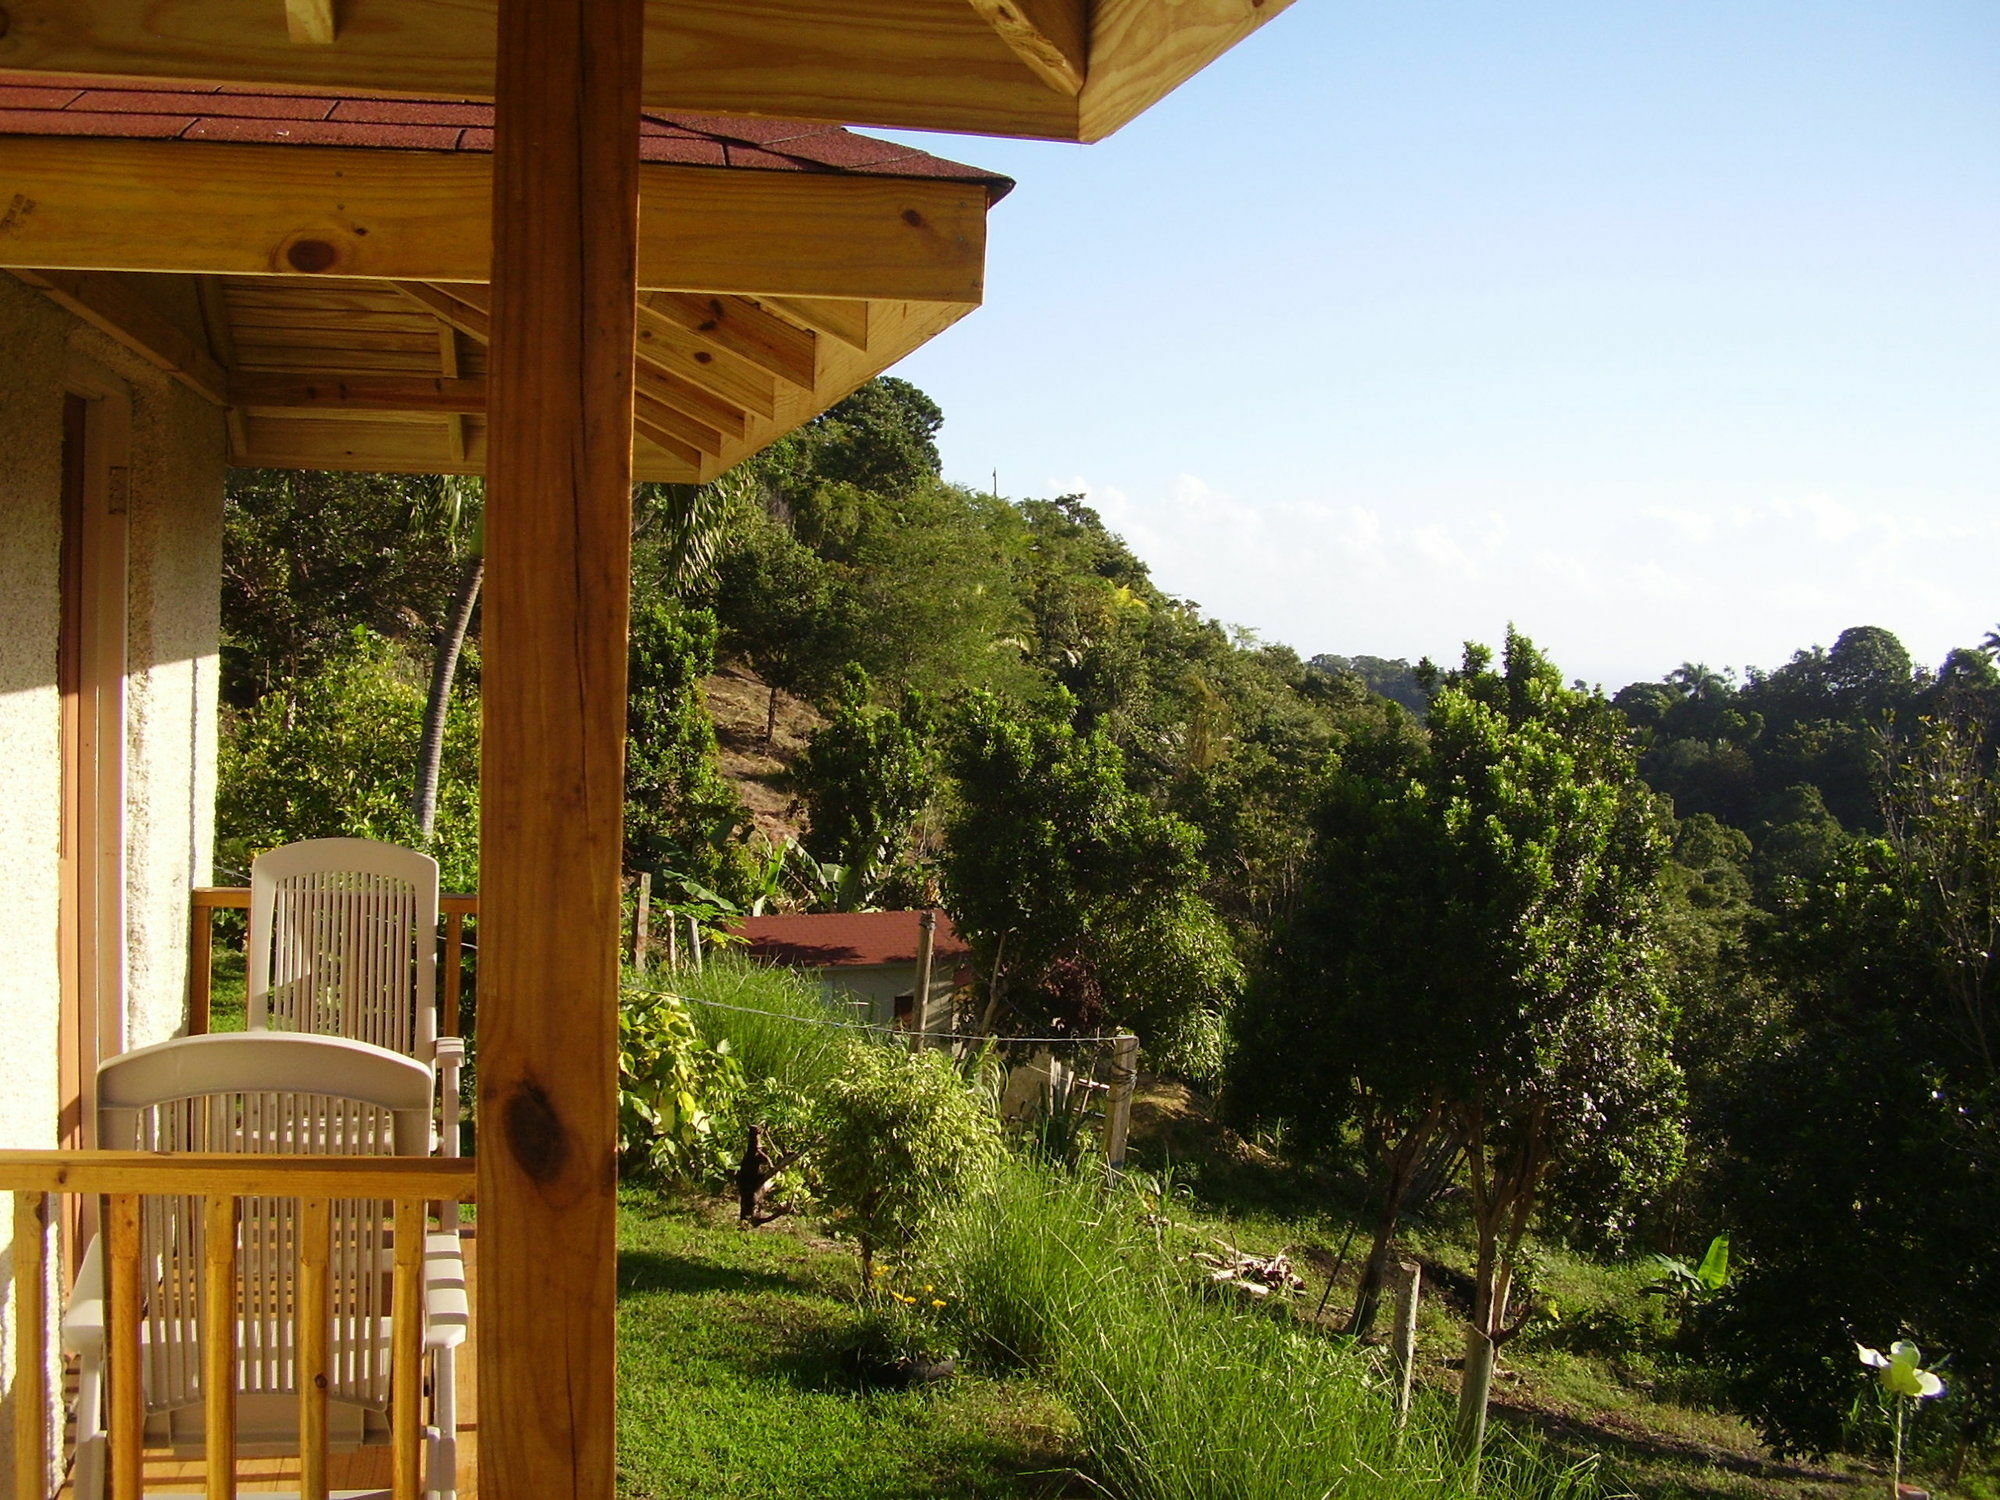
[(366, 1469)]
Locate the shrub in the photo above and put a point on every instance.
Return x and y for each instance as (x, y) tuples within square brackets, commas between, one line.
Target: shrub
[(672, 1084), (901, 1137)]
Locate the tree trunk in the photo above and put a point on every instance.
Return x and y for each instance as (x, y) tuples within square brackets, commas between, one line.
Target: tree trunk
[(771, 716), (430, 757), (1402, 1166)]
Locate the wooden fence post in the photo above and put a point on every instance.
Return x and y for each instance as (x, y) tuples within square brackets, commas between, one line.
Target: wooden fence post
[(694, 943), (1407, 1279), (642, 922), (926, 946), (1118, 1105)]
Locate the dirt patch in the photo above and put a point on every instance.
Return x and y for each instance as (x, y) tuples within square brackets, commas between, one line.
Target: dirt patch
[(738, 701)]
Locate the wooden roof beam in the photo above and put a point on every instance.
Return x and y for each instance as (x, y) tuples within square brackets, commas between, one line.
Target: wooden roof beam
[(1048, 35), (200, 207), (112, 305)]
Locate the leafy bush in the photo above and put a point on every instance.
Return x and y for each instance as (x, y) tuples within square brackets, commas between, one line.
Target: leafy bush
[(334, 755), (901, 1137), (672, 1083)]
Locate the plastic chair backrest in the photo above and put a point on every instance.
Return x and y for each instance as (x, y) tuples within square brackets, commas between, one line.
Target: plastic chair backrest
[(265, 1093), (343, 942)]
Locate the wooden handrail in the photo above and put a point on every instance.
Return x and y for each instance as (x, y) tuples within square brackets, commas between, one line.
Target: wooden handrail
[(206, 900), (221, 1180), (198, 1174)]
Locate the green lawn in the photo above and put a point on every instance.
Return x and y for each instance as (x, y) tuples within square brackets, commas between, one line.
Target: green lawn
[(734, 1381)]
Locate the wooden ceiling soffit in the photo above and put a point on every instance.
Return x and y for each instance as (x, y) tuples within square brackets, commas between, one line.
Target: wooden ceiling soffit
[(254, 210), (667, 402), (426, 424), (931, 64)]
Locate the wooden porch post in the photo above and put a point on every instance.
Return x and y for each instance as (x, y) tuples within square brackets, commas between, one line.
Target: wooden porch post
[(558, 509)]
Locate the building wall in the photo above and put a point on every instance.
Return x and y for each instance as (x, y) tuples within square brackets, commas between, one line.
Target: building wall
[(175, 478)]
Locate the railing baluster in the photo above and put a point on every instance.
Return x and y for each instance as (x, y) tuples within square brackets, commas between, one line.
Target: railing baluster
[(31, 1344), (218, 1342), (201, 967), (406, 1324), (315, 1320), (128, 1376), (454, 970)]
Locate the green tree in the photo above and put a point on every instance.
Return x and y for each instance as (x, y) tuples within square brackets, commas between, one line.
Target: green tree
[(330, 757), (1063, 879), (308, 557), (1480, 954), (783, 606), (681, 815), (865, 776)]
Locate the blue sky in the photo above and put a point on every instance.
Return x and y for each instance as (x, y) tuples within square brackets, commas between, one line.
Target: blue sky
[(1668, 331)]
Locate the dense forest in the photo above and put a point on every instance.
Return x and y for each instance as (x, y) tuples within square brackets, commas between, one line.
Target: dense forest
[(1713, 954)]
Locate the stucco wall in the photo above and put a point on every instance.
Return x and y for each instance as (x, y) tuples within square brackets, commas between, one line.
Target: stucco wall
[(174, 499)]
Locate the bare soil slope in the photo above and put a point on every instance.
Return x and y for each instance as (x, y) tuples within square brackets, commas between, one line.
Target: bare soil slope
[(738, 701)]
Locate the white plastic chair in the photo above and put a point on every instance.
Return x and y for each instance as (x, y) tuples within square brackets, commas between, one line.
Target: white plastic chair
[(343, 942), (263, 1093)]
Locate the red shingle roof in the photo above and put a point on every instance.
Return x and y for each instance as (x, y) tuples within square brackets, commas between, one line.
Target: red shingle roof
[(120, 109), (839, 940)]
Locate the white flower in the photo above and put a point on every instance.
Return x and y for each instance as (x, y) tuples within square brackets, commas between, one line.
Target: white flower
[(1898, 1371)]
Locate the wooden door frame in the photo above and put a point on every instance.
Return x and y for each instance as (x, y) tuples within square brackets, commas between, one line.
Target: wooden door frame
[(93, 615)]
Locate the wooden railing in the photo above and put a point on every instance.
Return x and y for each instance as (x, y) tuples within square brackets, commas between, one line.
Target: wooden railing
[(122, 1178), (210, 899)]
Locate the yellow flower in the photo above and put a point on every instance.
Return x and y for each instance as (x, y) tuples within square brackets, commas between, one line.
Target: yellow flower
[(927, 1291), (937, 1302)]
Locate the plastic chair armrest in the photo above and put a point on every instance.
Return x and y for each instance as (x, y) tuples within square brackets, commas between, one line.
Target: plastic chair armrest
[(83, 1317)]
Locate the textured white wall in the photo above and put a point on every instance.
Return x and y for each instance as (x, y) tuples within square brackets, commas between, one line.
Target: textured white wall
[(174, 547)]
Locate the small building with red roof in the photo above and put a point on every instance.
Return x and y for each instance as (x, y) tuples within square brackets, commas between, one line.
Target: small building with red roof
[(869, 956)]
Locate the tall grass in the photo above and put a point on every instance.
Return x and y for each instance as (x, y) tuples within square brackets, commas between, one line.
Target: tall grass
[(1181, 1395), (787, 1043)]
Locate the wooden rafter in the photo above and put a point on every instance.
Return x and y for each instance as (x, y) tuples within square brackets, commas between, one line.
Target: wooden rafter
[(743, 328), (111, 304), (835, 317), (1050, 36), (222, 347), (310, 22), (333, 212)]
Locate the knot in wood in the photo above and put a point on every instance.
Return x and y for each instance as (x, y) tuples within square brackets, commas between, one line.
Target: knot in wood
[(535, 1133), (311, 256), (912, 218)]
